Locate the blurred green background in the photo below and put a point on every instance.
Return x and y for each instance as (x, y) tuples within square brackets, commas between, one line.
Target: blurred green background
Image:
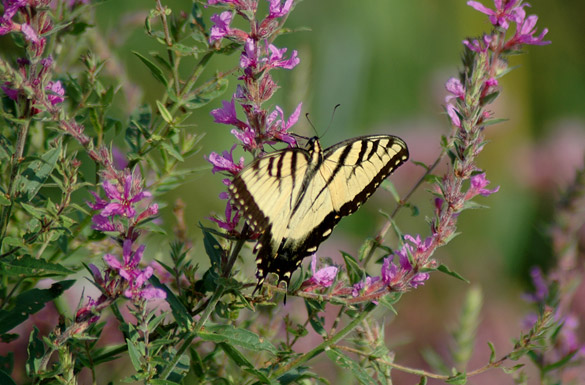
[(386, 63)]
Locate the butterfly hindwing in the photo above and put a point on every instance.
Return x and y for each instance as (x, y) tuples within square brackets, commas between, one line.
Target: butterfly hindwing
[(294, 197)]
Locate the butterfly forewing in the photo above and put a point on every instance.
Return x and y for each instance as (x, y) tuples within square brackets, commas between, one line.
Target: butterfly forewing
[(295, 197)]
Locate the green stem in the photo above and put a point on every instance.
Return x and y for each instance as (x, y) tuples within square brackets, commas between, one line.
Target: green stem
[(325, 344), (204, 317), (15, 167)]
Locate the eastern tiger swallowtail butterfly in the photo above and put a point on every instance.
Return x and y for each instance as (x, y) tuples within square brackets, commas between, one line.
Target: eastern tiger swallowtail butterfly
[(294, 197)]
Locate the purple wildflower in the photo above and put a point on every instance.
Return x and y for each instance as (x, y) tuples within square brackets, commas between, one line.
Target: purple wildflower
[(478, 184), (323, 277), (247, 137), (278, 10), (138, 289), (540, 285), (389, 270), (227, 114), (479, 46), (249, 57), (362, 287), (506, 11), (413, 250), (12, 93), (454, 115), (122, 202), (86, 313), (57, 92), (278, 128), (29, 33), (276, 58), (230, 222), (455, 89), (10, 9), (225, 162), (222, 26), (525, 33)]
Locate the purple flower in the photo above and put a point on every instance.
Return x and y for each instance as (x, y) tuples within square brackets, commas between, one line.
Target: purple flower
[(10, 9), (222, 26), (247, 137), (389, 270), (540, 285), (525, 33), (454, 115), (363, 286), (323, 277), (225, 162), (478, 184), (86, 312), (276, 58), (249, 57), (506, 11), (128, 269), (57, 92), (105, 224), (12, 93), (278, 128), (227, 114), (479, 46), (415, 249), (278, 10), (455, 89), (138, 290), (29, 33), (230, 222), (121, 203)]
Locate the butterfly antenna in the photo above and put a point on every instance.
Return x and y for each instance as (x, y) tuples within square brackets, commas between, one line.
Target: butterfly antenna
[(311, 123), (331, 120)]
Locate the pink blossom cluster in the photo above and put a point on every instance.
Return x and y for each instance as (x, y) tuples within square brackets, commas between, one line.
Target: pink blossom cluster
[(118, 214)]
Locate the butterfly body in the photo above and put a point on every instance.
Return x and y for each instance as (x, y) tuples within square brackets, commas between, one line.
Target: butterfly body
[(295, 197)]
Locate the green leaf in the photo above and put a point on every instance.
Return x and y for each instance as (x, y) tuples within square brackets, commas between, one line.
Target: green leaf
[(164, 113), (154, 69), (212, 247), (313, 309), (27, 266), (389, 186), (421, 164), (134, 354), (3, 200), (197, 14), (30, 302), (5, 379), (236, 336), (444, 269), (492, 352), (35, 212), (347, 363), (172, 151), (491, 122), (207, 94), (35, 175), (180, 312), (354, 270), (243, 362), (35, 351), (457, 379)]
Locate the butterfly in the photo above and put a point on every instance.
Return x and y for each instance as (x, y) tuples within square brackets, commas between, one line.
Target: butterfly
[(294, 197)]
